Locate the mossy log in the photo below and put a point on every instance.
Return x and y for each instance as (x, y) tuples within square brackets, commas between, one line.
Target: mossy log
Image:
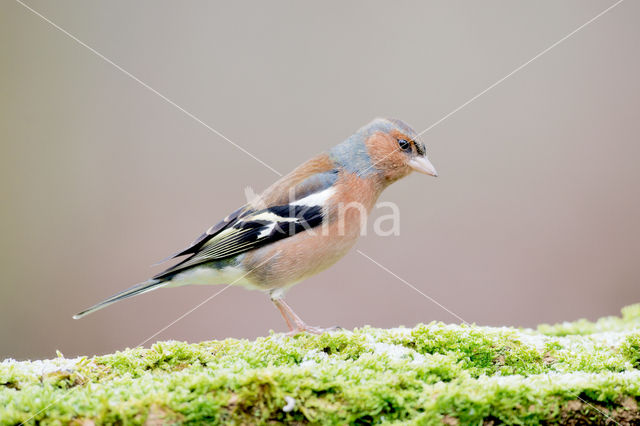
[(572, 373)]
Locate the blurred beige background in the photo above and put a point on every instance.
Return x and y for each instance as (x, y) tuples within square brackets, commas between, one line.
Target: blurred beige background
[(533, 219)]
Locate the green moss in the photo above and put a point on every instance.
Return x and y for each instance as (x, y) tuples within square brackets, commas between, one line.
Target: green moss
[(433, 373), (630, 349), (629, 321)]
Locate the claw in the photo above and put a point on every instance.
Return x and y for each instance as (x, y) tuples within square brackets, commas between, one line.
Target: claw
[(295, 323), (303, 328)]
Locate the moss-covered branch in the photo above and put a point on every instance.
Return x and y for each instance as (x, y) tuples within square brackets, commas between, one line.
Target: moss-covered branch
[(578, 372)]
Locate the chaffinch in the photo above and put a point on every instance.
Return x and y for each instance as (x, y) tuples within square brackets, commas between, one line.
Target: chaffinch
[(300, 225)]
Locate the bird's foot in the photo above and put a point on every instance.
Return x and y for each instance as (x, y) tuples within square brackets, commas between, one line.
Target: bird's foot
[(295, 323), (304, 328)]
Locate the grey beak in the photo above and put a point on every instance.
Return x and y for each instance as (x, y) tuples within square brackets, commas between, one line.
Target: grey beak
[(423, 165)]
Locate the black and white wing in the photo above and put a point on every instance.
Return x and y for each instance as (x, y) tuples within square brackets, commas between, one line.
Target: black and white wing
[(246, 229)]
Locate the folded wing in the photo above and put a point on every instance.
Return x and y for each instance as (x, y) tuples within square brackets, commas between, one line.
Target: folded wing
[(247, 229)]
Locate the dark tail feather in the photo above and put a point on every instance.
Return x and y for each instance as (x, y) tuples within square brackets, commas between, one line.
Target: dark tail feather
[(130, 292)]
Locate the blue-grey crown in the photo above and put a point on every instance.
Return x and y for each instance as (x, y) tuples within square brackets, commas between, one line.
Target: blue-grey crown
[(352, 154)]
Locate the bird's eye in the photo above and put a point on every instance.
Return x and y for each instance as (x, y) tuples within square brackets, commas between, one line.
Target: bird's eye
[(404, 144)]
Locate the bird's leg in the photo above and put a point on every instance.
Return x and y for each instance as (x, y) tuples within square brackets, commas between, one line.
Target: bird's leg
[(300, 325), (288, 315), (283, 312)]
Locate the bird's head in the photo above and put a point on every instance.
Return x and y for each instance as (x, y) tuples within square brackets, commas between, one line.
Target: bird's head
[(387, 148)]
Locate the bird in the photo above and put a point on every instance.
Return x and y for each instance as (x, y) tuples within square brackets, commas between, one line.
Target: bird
[(300, 225)]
